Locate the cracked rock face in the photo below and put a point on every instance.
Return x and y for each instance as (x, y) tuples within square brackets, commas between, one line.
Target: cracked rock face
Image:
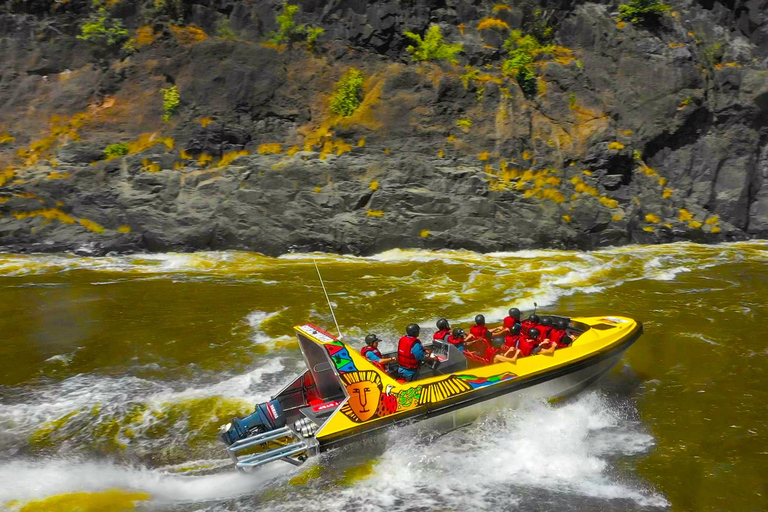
[(638, 133)]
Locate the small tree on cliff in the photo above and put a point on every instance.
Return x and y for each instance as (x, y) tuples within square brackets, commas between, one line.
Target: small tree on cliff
[(643, 11), (289, 31), (432, 46), (107, 33)]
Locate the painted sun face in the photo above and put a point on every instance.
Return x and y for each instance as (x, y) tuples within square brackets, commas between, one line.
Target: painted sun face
[(364, 398)]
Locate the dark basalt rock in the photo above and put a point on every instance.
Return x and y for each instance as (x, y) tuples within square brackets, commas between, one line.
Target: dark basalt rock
[(669, 121)]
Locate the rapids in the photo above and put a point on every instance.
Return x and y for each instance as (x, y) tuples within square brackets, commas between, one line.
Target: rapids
[(117, 371)]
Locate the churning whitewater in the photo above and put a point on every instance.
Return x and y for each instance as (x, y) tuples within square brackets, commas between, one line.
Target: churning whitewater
[(121, 369)]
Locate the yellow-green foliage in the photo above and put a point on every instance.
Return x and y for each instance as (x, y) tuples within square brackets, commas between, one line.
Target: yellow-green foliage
[(464, 124), (374, 213), (171, 100), (522, 50), (6, 138), (348, 93), (471, 74), (640, 11), (289, 31), (432, 47), (104, 31), (116, 150), (616, 146), (685, 215)]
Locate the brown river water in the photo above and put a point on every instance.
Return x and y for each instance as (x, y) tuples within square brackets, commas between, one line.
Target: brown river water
[(115, 373)]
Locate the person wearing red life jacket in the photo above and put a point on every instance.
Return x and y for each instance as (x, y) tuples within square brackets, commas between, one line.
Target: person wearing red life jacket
[(559, 337), (410, 353), (457, 339), (443, 330), (509, 321), (512, 338), (371, 350), (545, 325), (479, 331), (532, 321), (525, 346)]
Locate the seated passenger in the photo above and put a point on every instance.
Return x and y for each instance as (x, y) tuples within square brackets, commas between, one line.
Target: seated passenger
[(457, 339), (545, 325), (410, 353), (559, 337), (532, 321), (509, 321), (443, 330), (371, 350), (479, 331), (526, 346), (512, 338)]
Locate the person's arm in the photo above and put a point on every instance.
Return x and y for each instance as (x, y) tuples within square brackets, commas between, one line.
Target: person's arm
[(418, 352), (551, 347), (387, 360), (373, 357)]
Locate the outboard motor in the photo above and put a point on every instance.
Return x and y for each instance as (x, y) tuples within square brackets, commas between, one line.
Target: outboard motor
[(268, 416)]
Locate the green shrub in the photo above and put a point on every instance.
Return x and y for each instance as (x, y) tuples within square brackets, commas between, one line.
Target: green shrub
[(312, 34), (464, 124), (224, 31), (104, 31), (289, 31), (348, 94), (171, 100), (520, 61), (432, 46), (643, 11), (116, 150)]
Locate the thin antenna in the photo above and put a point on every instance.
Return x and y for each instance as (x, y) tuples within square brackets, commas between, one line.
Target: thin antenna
[(326, 297)]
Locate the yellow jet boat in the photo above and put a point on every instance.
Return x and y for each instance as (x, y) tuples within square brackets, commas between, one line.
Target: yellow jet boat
[(342, 397)]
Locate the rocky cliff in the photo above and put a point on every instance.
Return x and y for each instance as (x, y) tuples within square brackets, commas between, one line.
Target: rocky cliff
[(648, 131)]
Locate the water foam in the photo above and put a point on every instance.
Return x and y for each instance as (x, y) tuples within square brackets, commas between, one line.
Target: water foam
[(515, 457), (26, 480)]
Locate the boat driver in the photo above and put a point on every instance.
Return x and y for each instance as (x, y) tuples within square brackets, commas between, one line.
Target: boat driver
[(371, 350), (410, 353)]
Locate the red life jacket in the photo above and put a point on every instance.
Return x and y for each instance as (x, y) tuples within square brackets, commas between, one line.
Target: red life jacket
[(526, 326), (366, 350), (480, 331), (557, 336), (404, 356), (525, 345), (454, 341), (511, 341), (544, 330), (440, 335), (509, 322)]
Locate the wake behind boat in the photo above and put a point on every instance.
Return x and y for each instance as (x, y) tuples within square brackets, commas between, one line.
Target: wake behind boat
[(343, 397)]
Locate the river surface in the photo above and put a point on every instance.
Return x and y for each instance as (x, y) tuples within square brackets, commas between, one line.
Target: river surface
[(115, 373)]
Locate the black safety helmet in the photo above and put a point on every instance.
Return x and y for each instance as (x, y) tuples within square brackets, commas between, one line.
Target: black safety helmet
[(412, 330), (534, 333), (371, 339), (546, 321), (514, 313), (459, 333), (563, 323), (442, 324), (479, 319), (534, 318), (515, 330)]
